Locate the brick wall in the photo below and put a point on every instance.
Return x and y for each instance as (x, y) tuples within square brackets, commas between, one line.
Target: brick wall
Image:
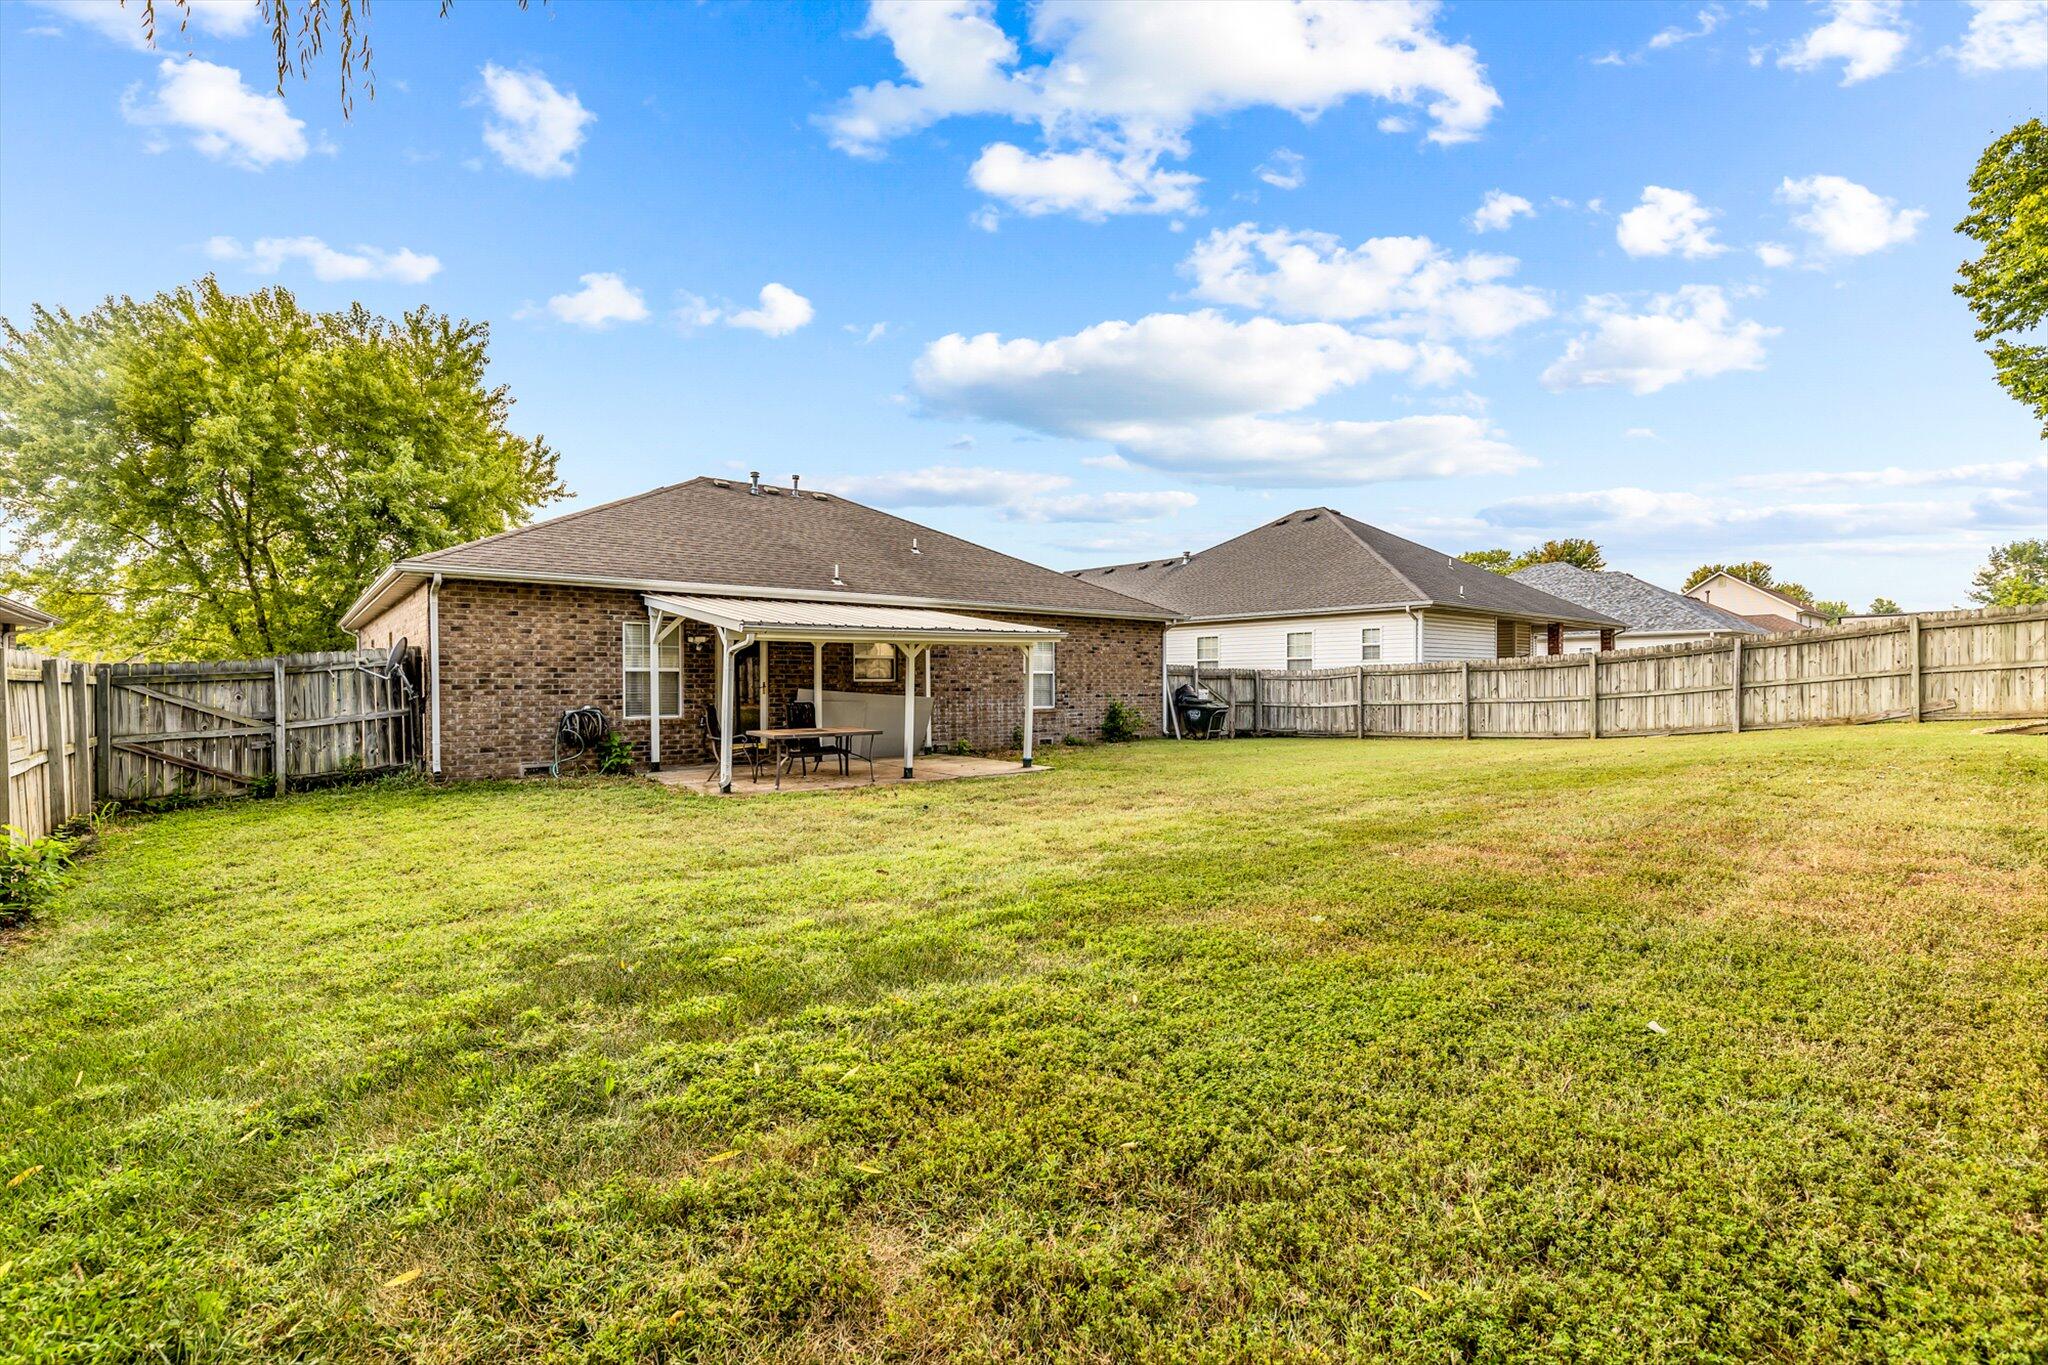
[(515, 656), (405, 619)]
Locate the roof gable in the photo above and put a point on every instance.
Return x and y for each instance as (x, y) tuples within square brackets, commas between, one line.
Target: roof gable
[(1317, 560), (722, 533)]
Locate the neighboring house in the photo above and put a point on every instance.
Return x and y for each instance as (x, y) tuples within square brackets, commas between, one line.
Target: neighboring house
[(1318, 589), (728, 591), (1773, 611), (1654, 615), (17, 615)]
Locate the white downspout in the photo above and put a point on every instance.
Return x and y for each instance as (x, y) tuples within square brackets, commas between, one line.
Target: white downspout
[(434, 667), (1416, 617), (654, 689)]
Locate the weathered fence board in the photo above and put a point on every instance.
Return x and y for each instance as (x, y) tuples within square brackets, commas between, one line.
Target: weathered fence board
[(80, 734), (1990, 664)]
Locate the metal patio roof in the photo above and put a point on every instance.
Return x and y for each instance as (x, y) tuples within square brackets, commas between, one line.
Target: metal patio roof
[(788, 619)]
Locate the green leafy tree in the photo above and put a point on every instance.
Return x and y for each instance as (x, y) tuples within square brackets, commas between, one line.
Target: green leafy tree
[(208, 475), (1749, 571), (1829, 607), (2016, 575), (1574, 550), (2007, 286), (1883, 606), (1500, 561)]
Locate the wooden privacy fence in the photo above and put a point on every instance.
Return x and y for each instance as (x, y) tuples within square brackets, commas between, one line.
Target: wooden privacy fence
[(81, 734), (1964, 665)]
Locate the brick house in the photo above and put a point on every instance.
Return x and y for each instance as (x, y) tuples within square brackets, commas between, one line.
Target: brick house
[(739, 596)]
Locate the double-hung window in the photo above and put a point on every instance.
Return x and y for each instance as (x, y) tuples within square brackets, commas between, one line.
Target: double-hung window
[(644, 675), (874, 663), (1369, 644), (1301, 651), (1208, 651), (1041, 675)]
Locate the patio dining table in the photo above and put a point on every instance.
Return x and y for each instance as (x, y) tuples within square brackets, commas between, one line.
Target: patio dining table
[(783, 738)]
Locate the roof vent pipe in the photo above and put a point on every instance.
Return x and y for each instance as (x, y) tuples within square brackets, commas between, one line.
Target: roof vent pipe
[(1187, 556), (913, 546), (794, 480), (755, 486), (837, 581)]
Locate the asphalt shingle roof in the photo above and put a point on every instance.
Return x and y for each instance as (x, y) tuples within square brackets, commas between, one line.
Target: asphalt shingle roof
[(1640, 605), (716, 532), (1319, 560)]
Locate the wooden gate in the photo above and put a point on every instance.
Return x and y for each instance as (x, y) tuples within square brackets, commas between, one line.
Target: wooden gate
[(217, 729)]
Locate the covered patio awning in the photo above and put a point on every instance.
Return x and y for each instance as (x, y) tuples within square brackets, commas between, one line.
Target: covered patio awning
[(778, 619), (743, 622)]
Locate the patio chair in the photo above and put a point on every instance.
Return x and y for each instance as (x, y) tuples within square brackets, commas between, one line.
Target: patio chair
[(803, 715), (744, 748)]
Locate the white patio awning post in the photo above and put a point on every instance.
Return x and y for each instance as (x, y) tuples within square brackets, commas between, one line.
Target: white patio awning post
[(654, 688), (818, 681), (1028, 708), (928, 707), (728, 649), (909, 706)]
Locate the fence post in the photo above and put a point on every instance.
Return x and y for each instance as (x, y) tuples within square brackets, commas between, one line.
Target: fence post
[(1465, 693), (7, 820), (1913, 644), (279, 764), (81, 747), (1593, 695), (1258, 705), (103, 730), (56, 781), (1735, 684), (1361, 701)]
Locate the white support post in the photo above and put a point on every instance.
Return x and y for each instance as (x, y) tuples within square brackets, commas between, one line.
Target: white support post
[(726, 650), (928, 707), (654, 689), (1028, 708), (818, 681), (909, 708)]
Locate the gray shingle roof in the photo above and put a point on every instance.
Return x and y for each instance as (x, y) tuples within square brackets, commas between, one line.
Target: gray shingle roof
[(1642, 606), (717, 533), (24, 615), (1319, 560)]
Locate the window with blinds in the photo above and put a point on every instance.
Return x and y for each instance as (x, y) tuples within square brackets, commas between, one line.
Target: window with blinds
[(640, 678)]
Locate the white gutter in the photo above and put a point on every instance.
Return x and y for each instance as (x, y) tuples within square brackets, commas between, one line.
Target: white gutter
[(434, 664), (1416, 617)]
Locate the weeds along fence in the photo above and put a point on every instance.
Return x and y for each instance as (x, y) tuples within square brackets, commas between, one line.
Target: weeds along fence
[(82, 734), (1964, 665)]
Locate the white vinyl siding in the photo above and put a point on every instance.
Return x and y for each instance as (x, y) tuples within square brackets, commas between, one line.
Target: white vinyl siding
[(1301, 651), (1263, 644), (633, 646), (1041, 675), (1448, 636)]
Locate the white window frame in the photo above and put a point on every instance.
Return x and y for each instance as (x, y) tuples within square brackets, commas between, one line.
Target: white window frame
[(892, 657), (1044, 662), (650, 669), (1215, 651), (1301, 663), (1369, 644)]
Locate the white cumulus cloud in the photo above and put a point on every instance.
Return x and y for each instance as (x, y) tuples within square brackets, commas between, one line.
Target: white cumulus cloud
[(1014, 495), (1846, 219), (1086, 183), (1499, 209), (2005, 35), (604, 299), (1690, 334), (1866, 36), (533, 127), (1668, 221), (267, 255), (1399, 284), (222, 117), (1204, 396), (1284, 170), (782, 311), (1776, 255), (123, 23), (1128, 81)]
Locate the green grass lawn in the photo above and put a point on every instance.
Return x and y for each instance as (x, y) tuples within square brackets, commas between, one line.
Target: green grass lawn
[(1667, 1049)]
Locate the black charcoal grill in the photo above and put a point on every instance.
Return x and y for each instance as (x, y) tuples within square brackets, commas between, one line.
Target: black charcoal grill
[(1202, 713)]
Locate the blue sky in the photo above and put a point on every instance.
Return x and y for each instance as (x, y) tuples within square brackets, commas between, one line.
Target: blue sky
[(1096, 283)]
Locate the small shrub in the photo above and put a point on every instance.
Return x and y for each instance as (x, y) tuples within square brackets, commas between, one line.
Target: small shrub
[(1120, 724), (1074, 741), (962, 747), (614, 755), (29, 873)]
